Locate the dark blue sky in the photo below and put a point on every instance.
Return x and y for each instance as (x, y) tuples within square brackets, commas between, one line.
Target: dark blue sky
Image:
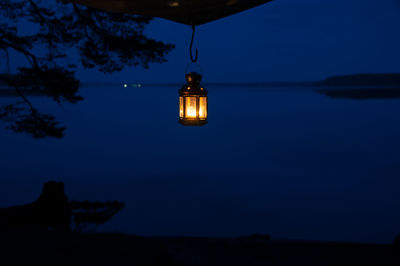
[(285, 40)]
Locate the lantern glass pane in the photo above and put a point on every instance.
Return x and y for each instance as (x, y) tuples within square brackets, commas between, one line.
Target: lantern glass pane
[(203, 108), (190, 107), (181, 107)]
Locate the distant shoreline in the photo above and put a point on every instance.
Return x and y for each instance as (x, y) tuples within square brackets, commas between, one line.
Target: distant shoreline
[(356, 80)]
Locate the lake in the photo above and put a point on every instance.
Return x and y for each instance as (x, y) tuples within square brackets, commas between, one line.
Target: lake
[(286, 161)]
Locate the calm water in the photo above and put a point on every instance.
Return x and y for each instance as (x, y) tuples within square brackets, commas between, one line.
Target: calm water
[(285, 161)]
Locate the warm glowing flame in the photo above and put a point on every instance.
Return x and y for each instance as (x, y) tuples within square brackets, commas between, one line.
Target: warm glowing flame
[(181, 107), (190, 113), (191, 107), (203, 107)]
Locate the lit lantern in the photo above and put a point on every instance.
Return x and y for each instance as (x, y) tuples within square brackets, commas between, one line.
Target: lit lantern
[(193, 102)]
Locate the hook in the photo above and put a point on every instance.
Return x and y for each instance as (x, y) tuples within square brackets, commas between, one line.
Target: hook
[(191, 46)]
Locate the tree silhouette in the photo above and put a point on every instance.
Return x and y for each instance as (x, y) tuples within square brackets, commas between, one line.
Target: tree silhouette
[(104, 41)]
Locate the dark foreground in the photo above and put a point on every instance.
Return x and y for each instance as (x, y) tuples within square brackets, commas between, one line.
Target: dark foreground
[(51, 248)]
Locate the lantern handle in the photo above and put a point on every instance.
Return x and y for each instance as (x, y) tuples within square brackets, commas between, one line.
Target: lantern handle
[(196, 64), (194, 60)]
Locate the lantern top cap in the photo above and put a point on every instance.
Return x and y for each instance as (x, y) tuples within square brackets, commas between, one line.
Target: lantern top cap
[(193, 78)]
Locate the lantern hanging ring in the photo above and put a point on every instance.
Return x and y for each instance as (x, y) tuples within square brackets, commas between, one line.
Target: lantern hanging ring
[(194, 60)]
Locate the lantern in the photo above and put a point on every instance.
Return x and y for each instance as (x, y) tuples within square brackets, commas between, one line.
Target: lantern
[(193, 102)]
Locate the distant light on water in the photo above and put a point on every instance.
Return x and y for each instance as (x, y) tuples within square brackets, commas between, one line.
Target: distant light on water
[(134, 85), (173, 3)]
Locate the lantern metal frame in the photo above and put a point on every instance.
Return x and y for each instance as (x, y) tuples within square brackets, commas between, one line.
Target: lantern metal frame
[(188, 91)]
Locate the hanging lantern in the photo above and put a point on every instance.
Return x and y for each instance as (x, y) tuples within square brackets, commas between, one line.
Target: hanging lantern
[(193, 99), (193, 102)]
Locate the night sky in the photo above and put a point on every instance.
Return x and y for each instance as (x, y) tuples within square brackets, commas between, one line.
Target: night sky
[(285, 40)]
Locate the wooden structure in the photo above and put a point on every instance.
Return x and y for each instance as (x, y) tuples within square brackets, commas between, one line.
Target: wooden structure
[(190, 12)]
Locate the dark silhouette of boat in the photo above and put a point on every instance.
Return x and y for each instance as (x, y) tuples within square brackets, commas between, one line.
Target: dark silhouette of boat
[(53, 210)]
